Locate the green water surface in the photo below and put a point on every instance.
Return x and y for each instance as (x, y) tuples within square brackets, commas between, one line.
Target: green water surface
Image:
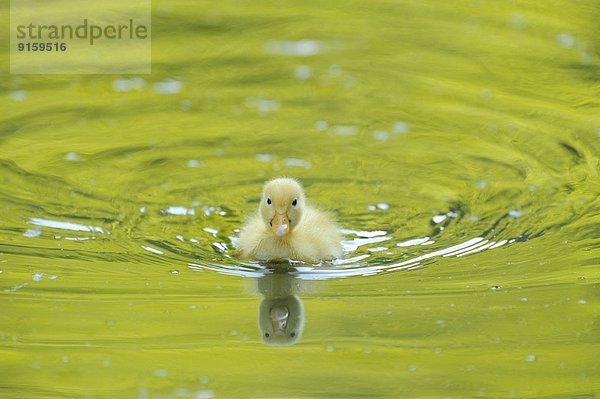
[(468, 132)]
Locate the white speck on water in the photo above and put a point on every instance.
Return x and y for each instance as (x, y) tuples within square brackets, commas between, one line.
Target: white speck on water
[(179, 211), (153, 250), (37, 276), (65, 225), (204, 394), (193, 163), (143, 209), (518, 21), (372, 207), (16, 287), (524, 299), (363, 233), (264, 157), (412, 367), (298, 48), (530, 358), (65, 359), (582, 301), (194, 240), (210, 230), (221, 246), (344, 130), (17, 95), (566, 40), (32, 233), (303, 72), (473, 219), (218, 287), (174, 271), (169, 86), (389, 312), (377, 249), (72, 156), (323, 125), (161, 373), (532, 188), (383, 206), (381, 136), (438, 218), (180, 238), (400, 127), (416, 241), (514, 213), (296, 162), (452, 214), (329, 348), (125, 85), (233, 332), (481, 183), (438, 350)]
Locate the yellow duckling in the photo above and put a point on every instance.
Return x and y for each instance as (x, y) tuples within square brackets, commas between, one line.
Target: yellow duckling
[(285, 227)]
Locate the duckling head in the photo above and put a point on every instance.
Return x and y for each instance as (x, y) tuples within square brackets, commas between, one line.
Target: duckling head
[(282, 205)]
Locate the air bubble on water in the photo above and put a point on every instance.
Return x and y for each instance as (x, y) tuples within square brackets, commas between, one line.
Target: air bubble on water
[(400, 127), (376, 249), (37, 276), (180, 238), (193, 163), (372, 208), (297, 163), (169, 86), (32, 233), (383, 206), (143, 209), (303, 72), (204, 394), (71, 156), (524, 299), (473, 219), (264, 157), (514, 213), (530, 358), (582, 301), (323, 125), (566, 40), (291, 48), (380, 135), (174, 271), (17, 95)]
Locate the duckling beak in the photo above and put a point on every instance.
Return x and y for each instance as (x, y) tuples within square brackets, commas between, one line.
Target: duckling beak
[(279, 316), (280, 224)]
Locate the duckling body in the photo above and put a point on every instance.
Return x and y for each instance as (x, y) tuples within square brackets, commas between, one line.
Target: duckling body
[(285, 227)]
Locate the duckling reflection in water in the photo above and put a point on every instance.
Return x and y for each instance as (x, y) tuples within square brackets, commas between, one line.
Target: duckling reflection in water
[(286, 227), (281, 312)]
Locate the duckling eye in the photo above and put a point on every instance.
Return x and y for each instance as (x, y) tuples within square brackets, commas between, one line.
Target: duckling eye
[(295, 202), (269, 201), (267, 335), (293, 334)]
